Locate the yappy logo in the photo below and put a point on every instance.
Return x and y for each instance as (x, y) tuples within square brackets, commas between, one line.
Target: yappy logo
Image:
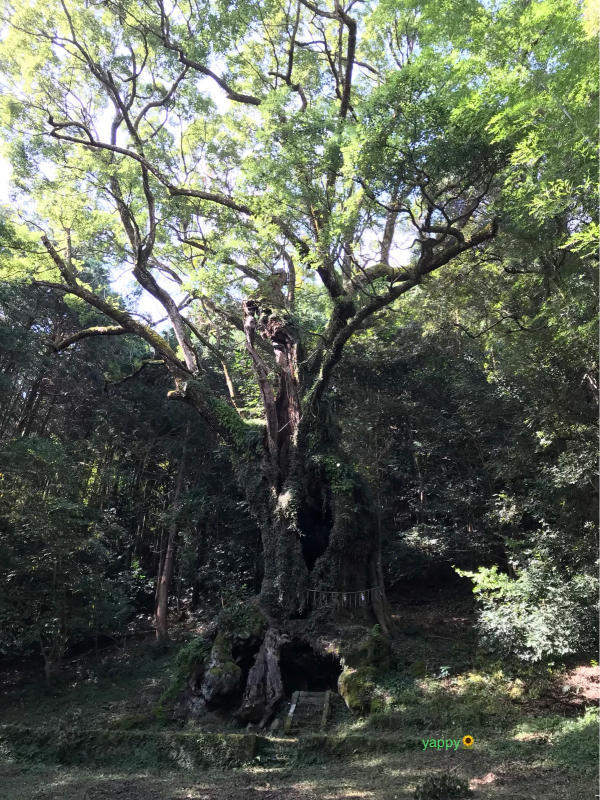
[(448, 744)]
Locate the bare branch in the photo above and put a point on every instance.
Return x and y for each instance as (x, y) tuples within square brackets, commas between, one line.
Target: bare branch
[(176, 191), (162, 102), (232, 94), (320, 12)]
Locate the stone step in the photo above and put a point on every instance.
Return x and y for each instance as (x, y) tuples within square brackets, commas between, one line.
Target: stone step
[(308, 710)]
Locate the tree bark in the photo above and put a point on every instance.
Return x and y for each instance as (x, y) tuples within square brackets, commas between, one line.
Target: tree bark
[(264, 687), (162, 603), (318, 524)]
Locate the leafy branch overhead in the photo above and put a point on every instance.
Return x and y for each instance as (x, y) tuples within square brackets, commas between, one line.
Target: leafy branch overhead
[(211, 150), (358, 240)]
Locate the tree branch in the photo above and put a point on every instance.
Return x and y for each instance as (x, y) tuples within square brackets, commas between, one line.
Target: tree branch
[(159, 103), (232, 94), (350, 53), (428, 262), (95, 330), (175, 191), (121, 317)]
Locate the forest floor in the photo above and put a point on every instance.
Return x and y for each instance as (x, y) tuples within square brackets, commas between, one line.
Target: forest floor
[(535, 735)]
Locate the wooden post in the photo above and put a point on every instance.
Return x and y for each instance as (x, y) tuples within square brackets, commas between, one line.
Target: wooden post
[(288, 720)]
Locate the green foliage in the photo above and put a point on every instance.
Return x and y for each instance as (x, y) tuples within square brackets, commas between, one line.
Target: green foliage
[(357, 688), (244, 435), (129, 722), (442, 786), (342, 476), (473, 701), (432, 436), (241, 620), (190, 658), (84, 483), (373, 652), (470, 412), (539, 616), (55, 558), (131, 749), (575, 742)]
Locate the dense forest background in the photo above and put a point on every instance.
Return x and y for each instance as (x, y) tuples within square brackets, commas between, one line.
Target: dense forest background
[(470, 409), (299, 300), (474, 423)]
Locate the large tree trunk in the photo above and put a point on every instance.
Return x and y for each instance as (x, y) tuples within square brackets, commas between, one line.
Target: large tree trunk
[(318, 524), (341, 541), (321, 540), (321, 545)]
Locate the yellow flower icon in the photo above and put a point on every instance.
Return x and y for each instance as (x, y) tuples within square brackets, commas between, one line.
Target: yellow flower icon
[(468, 741)]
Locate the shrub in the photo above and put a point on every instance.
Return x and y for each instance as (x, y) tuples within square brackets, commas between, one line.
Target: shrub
[(442, 787), (188, 659), (540, 616), (241, 620)]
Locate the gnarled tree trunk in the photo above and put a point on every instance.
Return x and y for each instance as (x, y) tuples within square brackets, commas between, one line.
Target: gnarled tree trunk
[(319, 528), (264, 687)]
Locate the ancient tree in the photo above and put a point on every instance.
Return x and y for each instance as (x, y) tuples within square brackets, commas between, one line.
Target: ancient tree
[(274, 177)]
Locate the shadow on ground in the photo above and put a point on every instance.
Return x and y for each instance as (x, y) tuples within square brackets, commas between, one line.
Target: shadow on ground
[(390, 777)]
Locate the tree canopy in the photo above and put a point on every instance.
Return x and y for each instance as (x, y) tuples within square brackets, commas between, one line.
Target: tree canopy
[(361, 239)]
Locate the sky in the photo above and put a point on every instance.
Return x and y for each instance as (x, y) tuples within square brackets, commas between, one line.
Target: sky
[(123, 281), (5, 173)]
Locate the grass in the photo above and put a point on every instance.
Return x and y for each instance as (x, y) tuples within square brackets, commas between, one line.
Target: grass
[(529, 743), (364, 777), (120, 690)]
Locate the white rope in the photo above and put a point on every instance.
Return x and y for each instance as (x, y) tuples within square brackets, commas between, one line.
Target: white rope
[(325, 597)]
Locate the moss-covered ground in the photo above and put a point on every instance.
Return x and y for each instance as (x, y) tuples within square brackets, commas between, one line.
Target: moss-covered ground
[(101, 734)]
